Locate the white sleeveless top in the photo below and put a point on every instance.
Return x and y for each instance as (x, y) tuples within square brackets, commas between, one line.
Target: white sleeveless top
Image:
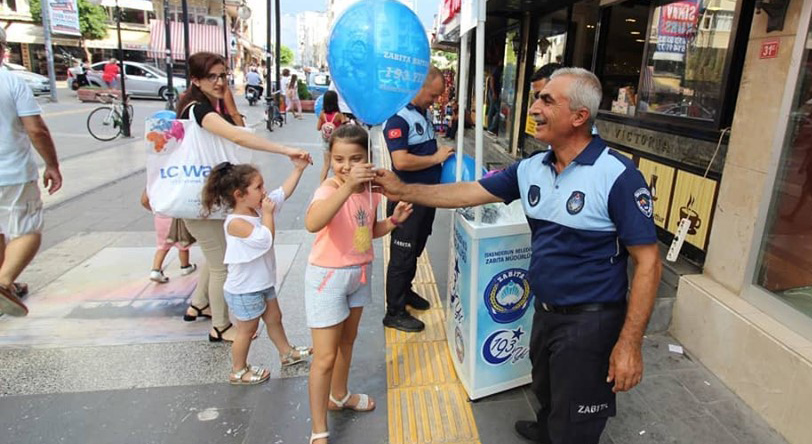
[(251, 260)]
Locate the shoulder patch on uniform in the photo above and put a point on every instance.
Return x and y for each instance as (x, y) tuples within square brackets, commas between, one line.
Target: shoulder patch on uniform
[(394, 133), (533, 195), (643, 199)]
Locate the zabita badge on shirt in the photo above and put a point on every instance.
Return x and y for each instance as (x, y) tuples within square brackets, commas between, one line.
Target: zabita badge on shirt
[(394, 133)]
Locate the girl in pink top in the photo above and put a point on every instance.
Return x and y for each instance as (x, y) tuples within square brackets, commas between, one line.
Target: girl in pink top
[(337, 277)]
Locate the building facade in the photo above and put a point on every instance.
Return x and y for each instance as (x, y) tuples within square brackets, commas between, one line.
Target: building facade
[(311, 39), (711, 100)]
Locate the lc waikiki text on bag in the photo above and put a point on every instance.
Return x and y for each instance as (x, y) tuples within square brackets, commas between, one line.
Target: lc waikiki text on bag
[(180, 156)]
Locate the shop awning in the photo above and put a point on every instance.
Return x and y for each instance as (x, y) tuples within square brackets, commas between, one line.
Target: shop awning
[(201, 38), (141, 5), (131, 40), (29, 33)]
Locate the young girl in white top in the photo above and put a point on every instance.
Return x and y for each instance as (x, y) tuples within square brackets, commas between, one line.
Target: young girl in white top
[(337, 279), (249, 287)]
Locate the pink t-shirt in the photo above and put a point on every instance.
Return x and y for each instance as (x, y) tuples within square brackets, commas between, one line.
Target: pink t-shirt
[(347, 239)]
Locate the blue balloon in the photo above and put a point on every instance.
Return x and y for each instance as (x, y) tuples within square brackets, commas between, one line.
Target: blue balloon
[(163, 114), (449, 174), (379, 56), (317, 106)]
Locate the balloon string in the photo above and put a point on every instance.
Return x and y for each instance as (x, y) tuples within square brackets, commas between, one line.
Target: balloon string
[(369, 159)]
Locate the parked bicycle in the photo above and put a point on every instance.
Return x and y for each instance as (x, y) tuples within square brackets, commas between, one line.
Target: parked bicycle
[(105, 122), (272, 110)]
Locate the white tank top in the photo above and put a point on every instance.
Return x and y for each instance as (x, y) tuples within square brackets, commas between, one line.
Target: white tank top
[(251, 260)]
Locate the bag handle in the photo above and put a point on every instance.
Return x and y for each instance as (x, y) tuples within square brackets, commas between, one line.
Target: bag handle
[(189, 105)]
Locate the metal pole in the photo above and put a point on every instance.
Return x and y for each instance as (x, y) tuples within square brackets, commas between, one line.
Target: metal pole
[(462, 100), (170, 68), (125, 113), (479, 71), (185, 6), (225, 35), (268, 81), (49, 50), (278, 48)]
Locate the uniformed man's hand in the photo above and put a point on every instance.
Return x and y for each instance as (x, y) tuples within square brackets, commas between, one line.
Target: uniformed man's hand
[(443, 153), (625, 365), (390, 183)]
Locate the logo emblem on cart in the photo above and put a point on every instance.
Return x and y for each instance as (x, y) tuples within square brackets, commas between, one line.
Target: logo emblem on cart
[(508, 295), (575, 203), (502, 346), (459, 344), (533, 195)]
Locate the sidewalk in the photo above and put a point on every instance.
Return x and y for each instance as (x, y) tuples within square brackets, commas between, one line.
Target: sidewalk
[(105, 358)]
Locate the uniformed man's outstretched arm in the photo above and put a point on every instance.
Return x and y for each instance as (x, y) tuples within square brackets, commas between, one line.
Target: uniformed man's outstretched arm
[(453, 195), (626, 361)]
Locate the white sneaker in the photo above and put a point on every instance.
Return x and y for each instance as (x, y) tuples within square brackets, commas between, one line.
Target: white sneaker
[(187, 270), (158, 276)]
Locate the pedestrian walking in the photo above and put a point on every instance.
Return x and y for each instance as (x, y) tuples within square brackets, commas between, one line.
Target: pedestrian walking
[(111, 73), (329, 119), (250, 288), (416, 158), (204, 101), (589, 210), (292, 94), (163, 227), (21, 221), (337, 284)]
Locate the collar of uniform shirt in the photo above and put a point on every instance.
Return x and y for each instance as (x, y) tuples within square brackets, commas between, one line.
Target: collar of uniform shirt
[(587, 157)]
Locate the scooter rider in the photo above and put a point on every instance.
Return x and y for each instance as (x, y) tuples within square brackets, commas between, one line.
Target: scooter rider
[(254, 81)]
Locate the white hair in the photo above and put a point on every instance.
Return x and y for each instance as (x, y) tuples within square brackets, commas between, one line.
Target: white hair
[(584, 90)]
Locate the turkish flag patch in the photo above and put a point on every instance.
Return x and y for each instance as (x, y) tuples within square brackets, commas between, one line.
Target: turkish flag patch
[(394, 133)]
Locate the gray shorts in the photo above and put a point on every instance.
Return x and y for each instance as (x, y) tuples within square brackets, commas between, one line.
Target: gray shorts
[(330, 293)]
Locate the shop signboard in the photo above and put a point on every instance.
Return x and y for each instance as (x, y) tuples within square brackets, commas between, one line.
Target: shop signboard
[(490, 306), (675, 29), (660, 179), (693, 198), (64, 17)]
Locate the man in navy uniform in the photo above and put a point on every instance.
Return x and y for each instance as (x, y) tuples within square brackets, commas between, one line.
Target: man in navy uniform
[(589, 209), (416, 158)]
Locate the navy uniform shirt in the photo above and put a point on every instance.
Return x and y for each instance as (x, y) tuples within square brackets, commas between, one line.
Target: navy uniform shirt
[(412, 131), (580, 220)]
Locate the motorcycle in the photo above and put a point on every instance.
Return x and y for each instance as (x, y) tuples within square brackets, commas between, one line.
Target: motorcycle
[(252, 94)]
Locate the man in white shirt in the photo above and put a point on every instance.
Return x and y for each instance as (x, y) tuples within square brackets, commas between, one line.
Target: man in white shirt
[(20, 205), (342, 105), (283, 87)]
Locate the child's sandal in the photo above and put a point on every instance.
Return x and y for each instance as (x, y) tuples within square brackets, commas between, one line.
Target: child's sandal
[(257, 375), (315, 436), (364, 404), (296, 355)]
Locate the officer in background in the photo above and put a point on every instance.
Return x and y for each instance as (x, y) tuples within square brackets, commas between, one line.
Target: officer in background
[(416, 158), (589, 209)]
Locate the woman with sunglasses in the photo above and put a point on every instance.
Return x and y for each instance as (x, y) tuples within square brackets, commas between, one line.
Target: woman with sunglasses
[(206, 99)]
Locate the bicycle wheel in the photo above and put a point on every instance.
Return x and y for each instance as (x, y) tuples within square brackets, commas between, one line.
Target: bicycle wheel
[(104, 123)]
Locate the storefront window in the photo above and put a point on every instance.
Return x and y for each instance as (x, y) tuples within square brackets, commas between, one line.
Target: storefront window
[(685, 60), (507, 97), (584, 25), (623, 56), (785, 259), (132, 16)]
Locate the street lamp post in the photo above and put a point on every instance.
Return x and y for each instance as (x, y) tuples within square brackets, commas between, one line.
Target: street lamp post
[(125, 113), (225, 35), (268, 81), (185, 6), (170, 89)]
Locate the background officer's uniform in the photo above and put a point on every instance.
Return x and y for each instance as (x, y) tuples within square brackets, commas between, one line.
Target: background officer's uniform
[(410, 129), (581, 221)]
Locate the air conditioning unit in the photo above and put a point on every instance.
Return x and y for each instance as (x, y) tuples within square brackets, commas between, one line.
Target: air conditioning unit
[(214, 21)]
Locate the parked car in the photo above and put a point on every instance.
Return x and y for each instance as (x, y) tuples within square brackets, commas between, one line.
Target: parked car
[(319, 82), (39, 84), (141, 80)]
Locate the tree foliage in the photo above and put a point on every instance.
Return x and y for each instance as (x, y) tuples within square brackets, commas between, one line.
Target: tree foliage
[(92, 18), (285, 56)]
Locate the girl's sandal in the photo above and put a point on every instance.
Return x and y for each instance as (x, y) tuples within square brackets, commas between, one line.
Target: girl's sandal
[(315, 436), (198, 313), (257, 375), (296, 355), (364, 404)]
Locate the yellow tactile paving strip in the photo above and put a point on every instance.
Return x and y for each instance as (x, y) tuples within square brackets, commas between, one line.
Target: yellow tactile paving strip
[(426, 401)]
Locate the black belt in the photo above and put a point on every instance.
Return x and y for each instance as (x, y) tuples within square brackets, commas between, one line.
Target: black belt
[(582, 308)]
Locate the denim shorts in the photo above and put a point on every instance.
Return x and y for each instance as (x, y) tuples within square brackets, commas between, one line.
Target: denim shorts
[(330, 293), (248, 306)]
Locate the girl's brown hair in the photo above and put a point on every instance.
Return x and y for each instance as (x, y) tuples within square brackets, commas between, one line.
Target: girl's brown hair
[(223, 181), (352, 134), (200, 64)]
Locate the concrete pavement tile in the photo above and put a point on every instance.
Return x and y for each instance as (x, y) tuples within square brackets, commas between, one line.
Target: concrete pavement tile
[(703, 384), (658, 360), (668, 398), (633, 414), (494, 420), (743, 423), (509, 395), (213, 425)]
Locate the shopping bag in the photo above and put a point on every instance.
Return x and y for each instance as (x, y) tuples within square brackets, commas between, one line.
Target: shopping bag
[(180, 156)]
